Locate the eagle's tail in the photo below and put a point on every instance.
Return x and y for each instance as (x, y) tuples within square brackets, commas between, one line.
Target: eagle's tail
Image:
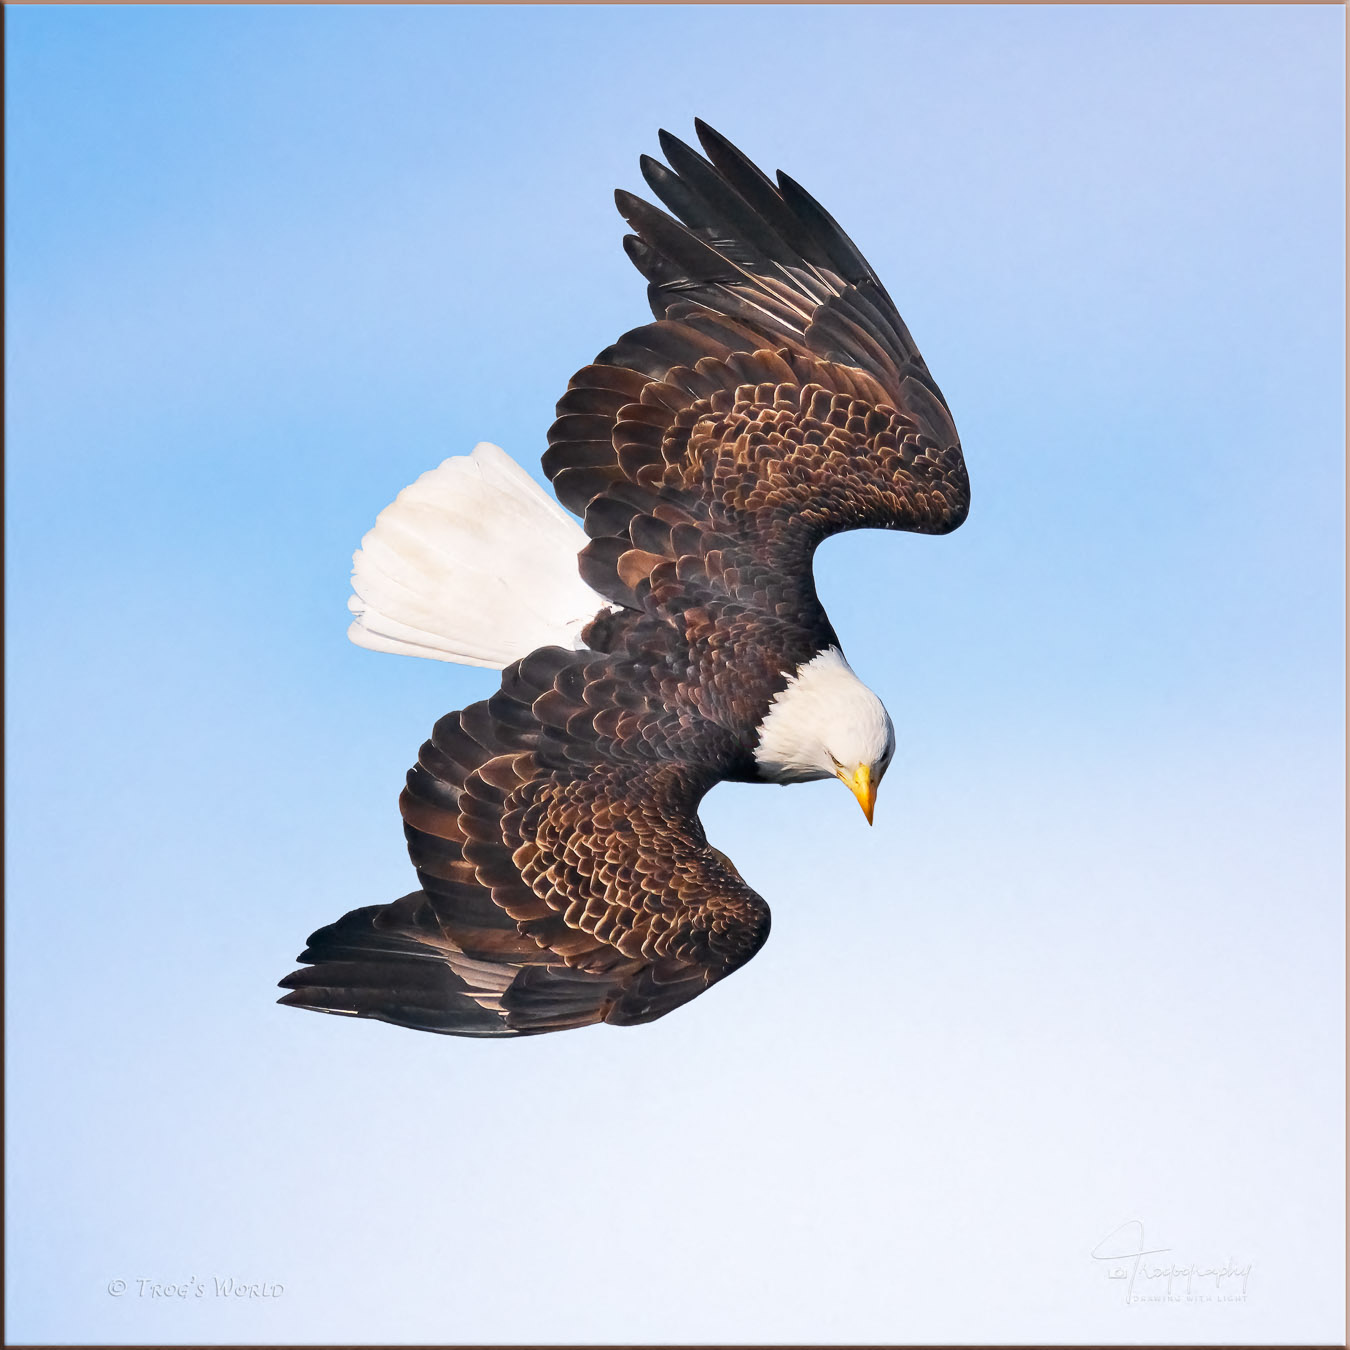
[(473, 563)]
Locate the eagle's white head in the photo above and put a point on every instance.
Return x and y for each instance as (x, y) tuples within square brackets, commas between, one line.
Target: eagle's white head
[(827, 724)]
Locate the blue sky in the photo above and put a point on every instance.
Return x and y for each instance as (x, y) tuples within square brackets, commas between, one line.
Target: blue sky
[(266, 266)]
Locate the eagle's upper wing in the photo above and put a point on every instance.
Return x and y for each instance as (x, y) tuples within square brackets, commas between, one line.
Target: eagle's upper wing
[(778, 399), (566, 879)]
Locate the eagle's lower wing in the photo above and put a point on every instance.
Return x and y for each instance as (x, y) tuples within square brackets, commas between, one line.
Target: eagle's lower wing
[(566, 879), (778, 399)]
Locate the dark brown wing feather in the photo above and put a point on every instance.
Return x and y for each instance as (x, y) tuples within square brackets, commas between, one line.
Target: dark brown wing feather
[(566, 879), (777, 399)]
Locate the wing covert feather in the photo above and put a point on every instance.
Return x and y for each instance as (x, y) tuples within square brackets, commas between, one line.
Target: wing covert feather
[(566, 879), (778, 398)]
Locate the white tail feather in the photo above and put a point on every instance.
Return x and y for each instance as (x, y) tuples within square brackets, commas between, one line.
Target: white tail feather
[(473, 563)]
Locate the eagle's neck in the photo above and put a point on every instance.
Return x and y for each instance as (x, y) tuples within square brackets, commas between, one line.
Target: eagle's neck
[(824, 719)]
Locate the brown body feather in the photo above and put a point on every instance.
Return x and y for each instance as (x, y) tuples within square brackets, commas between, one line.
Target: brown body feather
[(777, 399)]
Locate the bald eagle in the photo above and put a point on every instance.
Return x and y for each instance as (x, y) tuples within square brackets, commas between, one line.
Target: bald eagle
[(676, 643)]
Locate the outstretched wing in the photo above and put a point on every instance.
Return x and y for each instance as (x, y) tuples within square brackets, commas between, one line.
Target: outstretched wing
[(566, 879), (778, 399)]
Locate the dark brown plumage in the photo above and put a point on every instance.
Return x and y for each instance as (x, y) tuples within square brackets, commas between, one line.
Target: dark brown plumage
[(777, 399)]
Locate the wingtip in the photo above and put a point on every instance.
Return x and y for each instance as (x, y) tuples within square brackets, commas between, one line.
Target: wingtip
[(667, 140), (654, 173), (706, 133)]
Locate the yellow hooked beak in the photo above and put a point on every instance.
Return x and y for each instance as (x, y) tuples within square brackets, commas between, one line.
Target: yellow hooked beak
[(860, 784)]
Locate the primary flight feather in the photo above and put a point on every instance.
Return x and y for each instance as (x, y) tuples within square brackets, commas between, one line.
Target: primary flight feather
[(678, 642)]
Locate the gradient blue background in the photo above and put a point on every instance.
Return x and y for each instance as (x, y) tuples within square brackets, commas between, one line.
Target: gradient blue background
[(265, 266)]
